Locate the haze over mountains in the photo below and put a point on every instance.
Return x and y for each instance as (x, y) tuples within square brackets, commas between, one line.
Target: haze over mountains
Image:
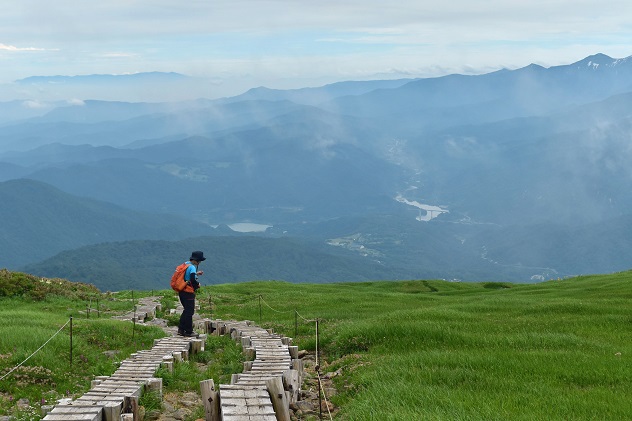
[(517, 175)]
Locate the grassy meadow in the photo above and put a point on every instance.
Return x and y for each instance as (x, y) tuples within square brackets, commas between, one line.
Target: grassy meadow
[(413, 350), (430, 350)]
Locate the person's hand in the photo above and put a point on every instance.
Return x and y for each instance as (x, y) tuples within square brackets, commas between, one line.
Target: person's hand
[(200, 272)]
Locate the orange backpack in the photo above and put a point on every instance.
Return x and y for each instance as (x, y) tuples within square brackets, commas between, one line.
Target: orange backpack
[(177, 279)]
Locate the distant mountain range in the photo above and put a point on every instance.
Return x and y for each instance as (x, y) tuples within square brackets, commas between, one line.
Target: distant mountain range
[(505, 175), (159, 77)]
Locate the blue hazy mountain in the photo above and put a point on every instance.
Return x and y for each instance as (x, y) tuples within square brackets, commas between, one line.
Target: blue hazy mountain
[(159, 77), (39, 220), (503, 160)]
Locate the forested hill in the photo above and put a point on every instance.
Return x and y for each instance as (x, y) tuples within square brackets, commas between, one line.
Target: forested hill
[(149, 264), (39, 221)]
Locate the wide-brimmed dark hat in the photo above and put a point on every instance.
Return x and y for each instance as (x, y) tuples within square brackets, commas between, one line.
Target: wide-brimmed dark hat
[(198, 256)]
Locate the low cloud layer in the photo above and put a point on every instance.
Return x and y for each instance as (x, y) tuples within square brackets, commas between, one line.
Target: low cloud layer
[(284, 44)]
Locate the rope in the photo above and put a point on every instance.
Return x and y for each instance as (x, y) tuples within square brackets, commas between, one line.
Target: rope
[(324, 395), (317, 358), (27, 358), (317, 362), (277, 311), (308, 321)]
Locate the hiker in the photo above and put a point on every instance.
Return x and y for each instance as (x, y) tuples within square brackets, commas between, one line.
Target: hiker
[(187, 295)]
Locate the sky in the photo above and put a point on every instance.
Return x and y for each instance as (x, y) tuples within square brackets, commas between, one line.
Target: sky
[(238, 44)]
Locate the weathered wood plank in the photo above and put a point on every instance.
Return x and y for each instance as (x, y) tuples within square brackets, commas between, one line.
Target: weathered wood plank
[(72, 417), (75, 410)]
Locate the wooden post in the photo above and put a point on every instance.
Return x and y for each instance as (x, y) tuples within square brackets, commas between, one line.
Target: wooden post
[(167, 363), (278, 398), (210, 398), (71, 341), (112, 411), (320, 398), (154, 384), (297, 364), (130, 406), (291, 379), (293, 351), (196, 346), (249, 353), (246, 342)]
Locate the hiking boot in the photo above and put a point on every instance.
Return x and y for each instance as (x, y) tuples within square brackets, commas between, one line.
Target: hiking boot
[(181, 332), (191, 335)]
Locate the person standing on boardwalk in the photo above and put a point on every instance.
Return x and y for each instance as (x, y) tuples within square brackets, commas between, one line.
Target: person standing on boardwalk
[(187, 295)]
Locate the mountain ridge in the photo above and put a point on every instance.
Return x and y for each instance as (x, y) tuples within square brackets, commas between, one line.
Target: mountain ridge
[(428, 175), (40, 220)]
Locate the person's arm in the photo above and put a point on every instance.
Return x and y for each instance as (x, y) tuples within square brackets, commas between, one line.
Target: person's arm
[(193, 280)]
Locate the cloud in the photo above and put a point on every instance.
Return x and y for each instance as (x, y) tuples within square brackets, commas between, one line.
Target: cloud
[(118, 55), (35, 104), (285, 44), (5, 47)]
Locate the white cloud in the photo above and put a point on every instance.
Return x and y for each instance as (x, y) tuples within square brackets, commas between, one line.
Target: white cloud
[(5, 47), (35, 104), (273, 42)]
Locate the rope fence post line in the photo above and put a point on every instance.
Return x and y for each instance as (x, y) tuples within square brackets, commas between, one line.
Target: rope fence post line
[(321, 391), (70, 341)]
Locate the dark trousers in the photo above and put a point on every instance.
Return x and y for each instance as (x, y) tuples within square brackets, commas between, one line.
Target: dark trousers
[(186, 319)]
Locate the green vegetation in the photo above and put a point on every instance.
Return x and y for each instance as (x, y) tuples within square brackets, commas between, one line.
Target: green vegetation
[(457, 351), (402, 350), (234, 258), (35, 344)]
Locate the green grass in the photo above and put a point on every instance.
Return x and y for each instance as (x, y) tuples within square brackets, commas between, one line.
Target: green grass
[(49, 374), (410, 350), (456, 351)]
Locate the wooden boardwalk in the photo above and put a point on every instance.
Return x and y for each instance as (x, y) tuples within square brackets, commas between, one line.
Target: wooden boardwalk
[(115, 397), (267, 385), (270, 380)]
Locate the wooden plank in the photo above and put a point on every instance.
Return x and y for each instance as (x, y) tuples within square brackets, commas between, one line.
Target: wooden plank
[(89, 399), (75, 410), (72, 417)]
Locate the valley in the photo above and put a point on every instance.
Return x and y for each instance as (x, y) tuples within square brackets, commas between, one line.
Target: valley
[(455, 177)]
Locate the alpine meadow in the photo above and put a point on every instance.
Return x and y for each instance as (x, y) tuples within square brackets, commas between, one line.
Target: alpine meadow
[(393, 350), (455, 247)]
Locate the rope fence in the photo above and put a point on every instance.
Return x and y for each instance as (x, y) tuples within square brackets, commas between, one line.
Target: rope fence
[(261, 302), (321, 390), (39, 349)]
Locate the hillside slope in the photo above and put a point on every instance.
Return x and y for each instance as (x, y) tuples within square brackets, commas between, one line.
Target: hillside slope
[(150, 264), (39, 221)]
